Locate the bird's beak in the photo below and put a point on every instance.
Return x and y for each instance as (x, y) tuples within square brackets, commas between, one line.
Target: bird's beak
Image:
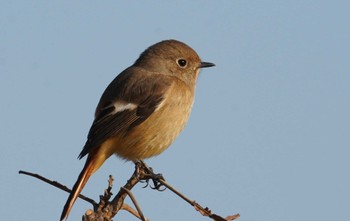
[(206, 65)]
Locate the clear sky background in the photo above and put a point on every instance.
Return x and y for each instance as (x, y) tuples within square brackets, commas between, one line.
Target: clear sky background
[(269, 133)]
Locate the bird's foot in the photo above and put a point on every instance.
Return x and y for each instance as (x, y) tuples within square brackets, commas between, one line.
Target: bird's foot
[(145, 174)]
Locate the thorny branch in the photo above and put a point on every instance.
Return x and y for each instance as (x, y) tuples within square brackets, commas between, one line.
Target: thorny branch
[(105, 210)]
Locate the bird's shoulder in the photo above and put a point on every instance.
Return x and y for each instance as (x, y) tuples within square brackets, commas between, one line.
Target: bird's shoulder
[(128, 101), (134, 85)]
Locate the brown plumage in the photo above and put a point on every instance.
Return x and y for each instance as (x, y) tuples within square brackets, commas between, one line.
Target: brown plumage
[(142, 110)]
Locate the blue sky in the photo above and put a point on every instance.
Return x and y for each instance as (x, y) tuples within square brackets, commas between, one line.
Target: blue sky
[(269, 133)]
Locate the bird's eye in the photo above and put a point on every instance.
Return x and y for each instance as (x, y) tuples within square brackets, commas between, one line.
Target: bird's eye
[(182, 62)]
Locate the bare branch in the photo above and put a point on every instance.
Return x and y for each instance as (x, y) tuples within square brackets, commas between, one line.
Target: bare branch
[(136, 204), (58, 185), (131, 210), (204, 211), (105, 210)]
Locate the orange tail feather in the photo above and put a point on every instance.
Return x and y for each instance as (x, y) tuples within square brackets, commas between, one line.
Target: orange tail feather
[(84, 176)]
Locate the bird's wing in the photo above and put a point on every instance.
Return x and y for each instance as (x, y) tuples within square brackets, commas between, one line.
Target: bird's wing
[(127, 102)]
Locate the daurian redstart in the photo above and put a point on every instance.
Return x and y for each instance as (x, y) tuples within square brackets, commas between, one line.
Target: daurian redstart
[(142, 110)]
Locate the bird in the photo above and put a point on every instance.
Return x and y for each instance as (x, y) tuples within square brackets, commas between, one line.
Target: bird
[(142, 110)]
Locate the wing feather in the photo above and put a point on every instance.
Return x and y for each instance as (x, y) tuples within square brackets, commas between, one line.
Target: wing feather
[(145, 93)]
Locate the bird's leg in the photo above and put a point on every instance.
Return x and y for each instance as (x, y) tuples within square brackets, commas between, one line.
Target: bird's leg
[(140, 173), (145, 173)]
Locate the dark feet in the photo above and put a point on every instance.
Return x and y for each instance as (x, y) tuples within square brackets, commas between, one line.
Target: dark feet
[(145, 174)]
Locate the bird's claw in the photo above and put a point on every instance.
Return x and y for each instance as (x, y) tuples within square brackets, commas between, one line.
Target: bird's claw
[(145, 181), (145, 174)]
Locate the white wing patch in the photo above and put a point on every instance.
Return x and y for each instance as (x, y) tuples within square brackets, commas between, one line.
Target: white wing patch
[(160, 105), (122, 106)]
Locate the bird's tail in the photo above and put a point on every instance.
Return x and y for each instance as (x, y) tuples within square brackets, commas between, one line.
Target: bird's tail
[(89, 168)]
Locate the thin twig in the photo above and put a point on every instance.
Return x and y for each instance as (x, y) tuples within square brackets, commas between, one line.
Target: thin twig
[(131, 210), (118, 201), (104, 199), (149, 174), (204, 211), (142, 217), (167, 185), (58, 185)]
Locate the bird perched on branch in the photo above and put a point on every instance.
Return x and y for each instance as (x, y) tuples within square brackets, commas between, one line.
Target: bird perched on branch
[(142, 110)]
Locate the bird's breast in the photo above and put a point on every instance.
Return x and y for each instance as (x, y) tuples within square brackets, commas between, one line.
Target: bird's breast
[(155, 134)]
